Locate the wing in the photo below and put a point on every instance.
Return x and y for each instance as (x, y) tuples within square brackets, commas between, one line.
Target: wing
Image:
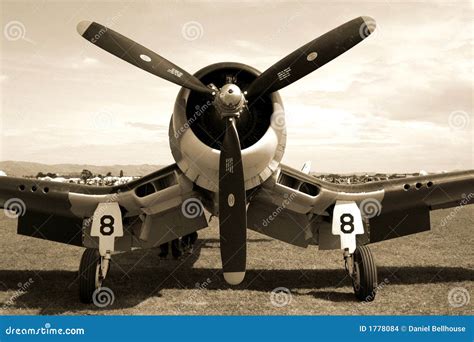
[(151, 208), (297, 208)]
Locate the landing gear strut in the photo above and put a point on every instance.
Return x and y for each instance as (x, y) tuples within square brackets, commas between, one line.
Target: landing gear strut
[(363, 272), (92, 272)]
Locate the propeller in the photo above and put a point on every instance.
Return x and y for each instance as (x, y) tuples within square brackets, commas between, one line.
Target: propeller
[(138, 55), (311, 56), (232, 206), (230, 102)]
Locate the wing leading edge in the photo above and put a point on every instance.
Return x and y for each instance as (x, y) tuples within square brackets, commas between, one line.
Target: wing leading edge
[(297, 208), (152, 208)]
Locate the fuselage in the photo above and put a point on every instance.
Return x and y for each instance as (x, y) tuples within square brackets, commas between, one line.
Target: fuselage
[(196, 131)]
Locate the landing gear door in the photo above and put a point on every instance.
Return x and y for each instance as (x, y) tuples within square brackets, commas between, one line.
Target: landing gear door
[(347, 223), (107, 225)]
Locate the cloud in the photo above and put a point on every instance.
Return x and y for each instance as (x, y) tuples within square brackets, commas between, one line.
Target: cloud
[(146, 126), (385, 104), (85, 62), (96, 154)]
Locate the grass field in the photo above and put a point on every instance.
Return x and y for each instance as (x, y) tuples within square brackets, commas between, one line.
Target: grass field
[(418, 271)]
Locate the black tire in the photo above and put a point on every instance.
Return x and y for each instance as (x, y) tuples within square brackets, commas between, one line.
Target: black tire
[(364, 279), (88, 279)]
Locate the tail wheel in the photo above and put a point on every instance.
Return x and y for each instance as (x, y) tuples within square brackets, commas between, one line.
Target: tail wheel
[(90, 278), (364, 279)]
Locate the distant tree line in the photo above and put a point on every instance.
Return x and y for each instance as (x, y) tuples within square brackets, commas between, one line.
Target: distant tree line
[(85, 175), (48, 174)]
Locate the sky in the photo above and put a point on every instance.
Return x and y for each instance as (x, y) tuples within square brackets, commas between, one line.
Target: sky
[(399, 101)]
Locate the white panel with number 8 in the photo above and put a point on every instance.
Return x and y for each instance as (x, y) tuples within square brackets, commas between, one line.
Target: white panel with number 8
[(347, 223), (107, 225)]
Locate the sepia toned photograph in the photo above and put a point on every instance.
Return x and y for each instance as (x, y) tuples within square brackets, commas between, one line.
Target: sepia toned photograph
[(236, 158)]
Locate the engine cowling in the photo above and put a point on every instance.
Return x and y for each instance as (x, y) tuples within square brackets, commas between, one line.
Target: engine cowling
[(196, 129)]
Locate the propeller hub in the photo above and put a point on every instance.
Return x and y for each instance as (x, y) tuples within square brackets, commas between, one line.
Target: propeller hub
[(230, 100), (230, 95)]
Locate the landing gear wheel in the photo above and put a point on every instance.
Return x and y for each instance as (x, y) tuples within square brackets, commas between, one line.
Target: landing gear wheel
[(90, 274), (364, 276)]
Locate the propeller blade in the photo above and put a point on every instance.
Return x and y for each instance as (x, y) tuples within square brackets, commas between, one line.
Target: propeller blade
[(138, 55), (232, 207), (312, 56)]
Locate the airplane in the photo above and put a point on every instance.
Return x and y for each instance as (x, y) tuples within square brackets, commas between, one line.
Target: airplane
[(227, 135)]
